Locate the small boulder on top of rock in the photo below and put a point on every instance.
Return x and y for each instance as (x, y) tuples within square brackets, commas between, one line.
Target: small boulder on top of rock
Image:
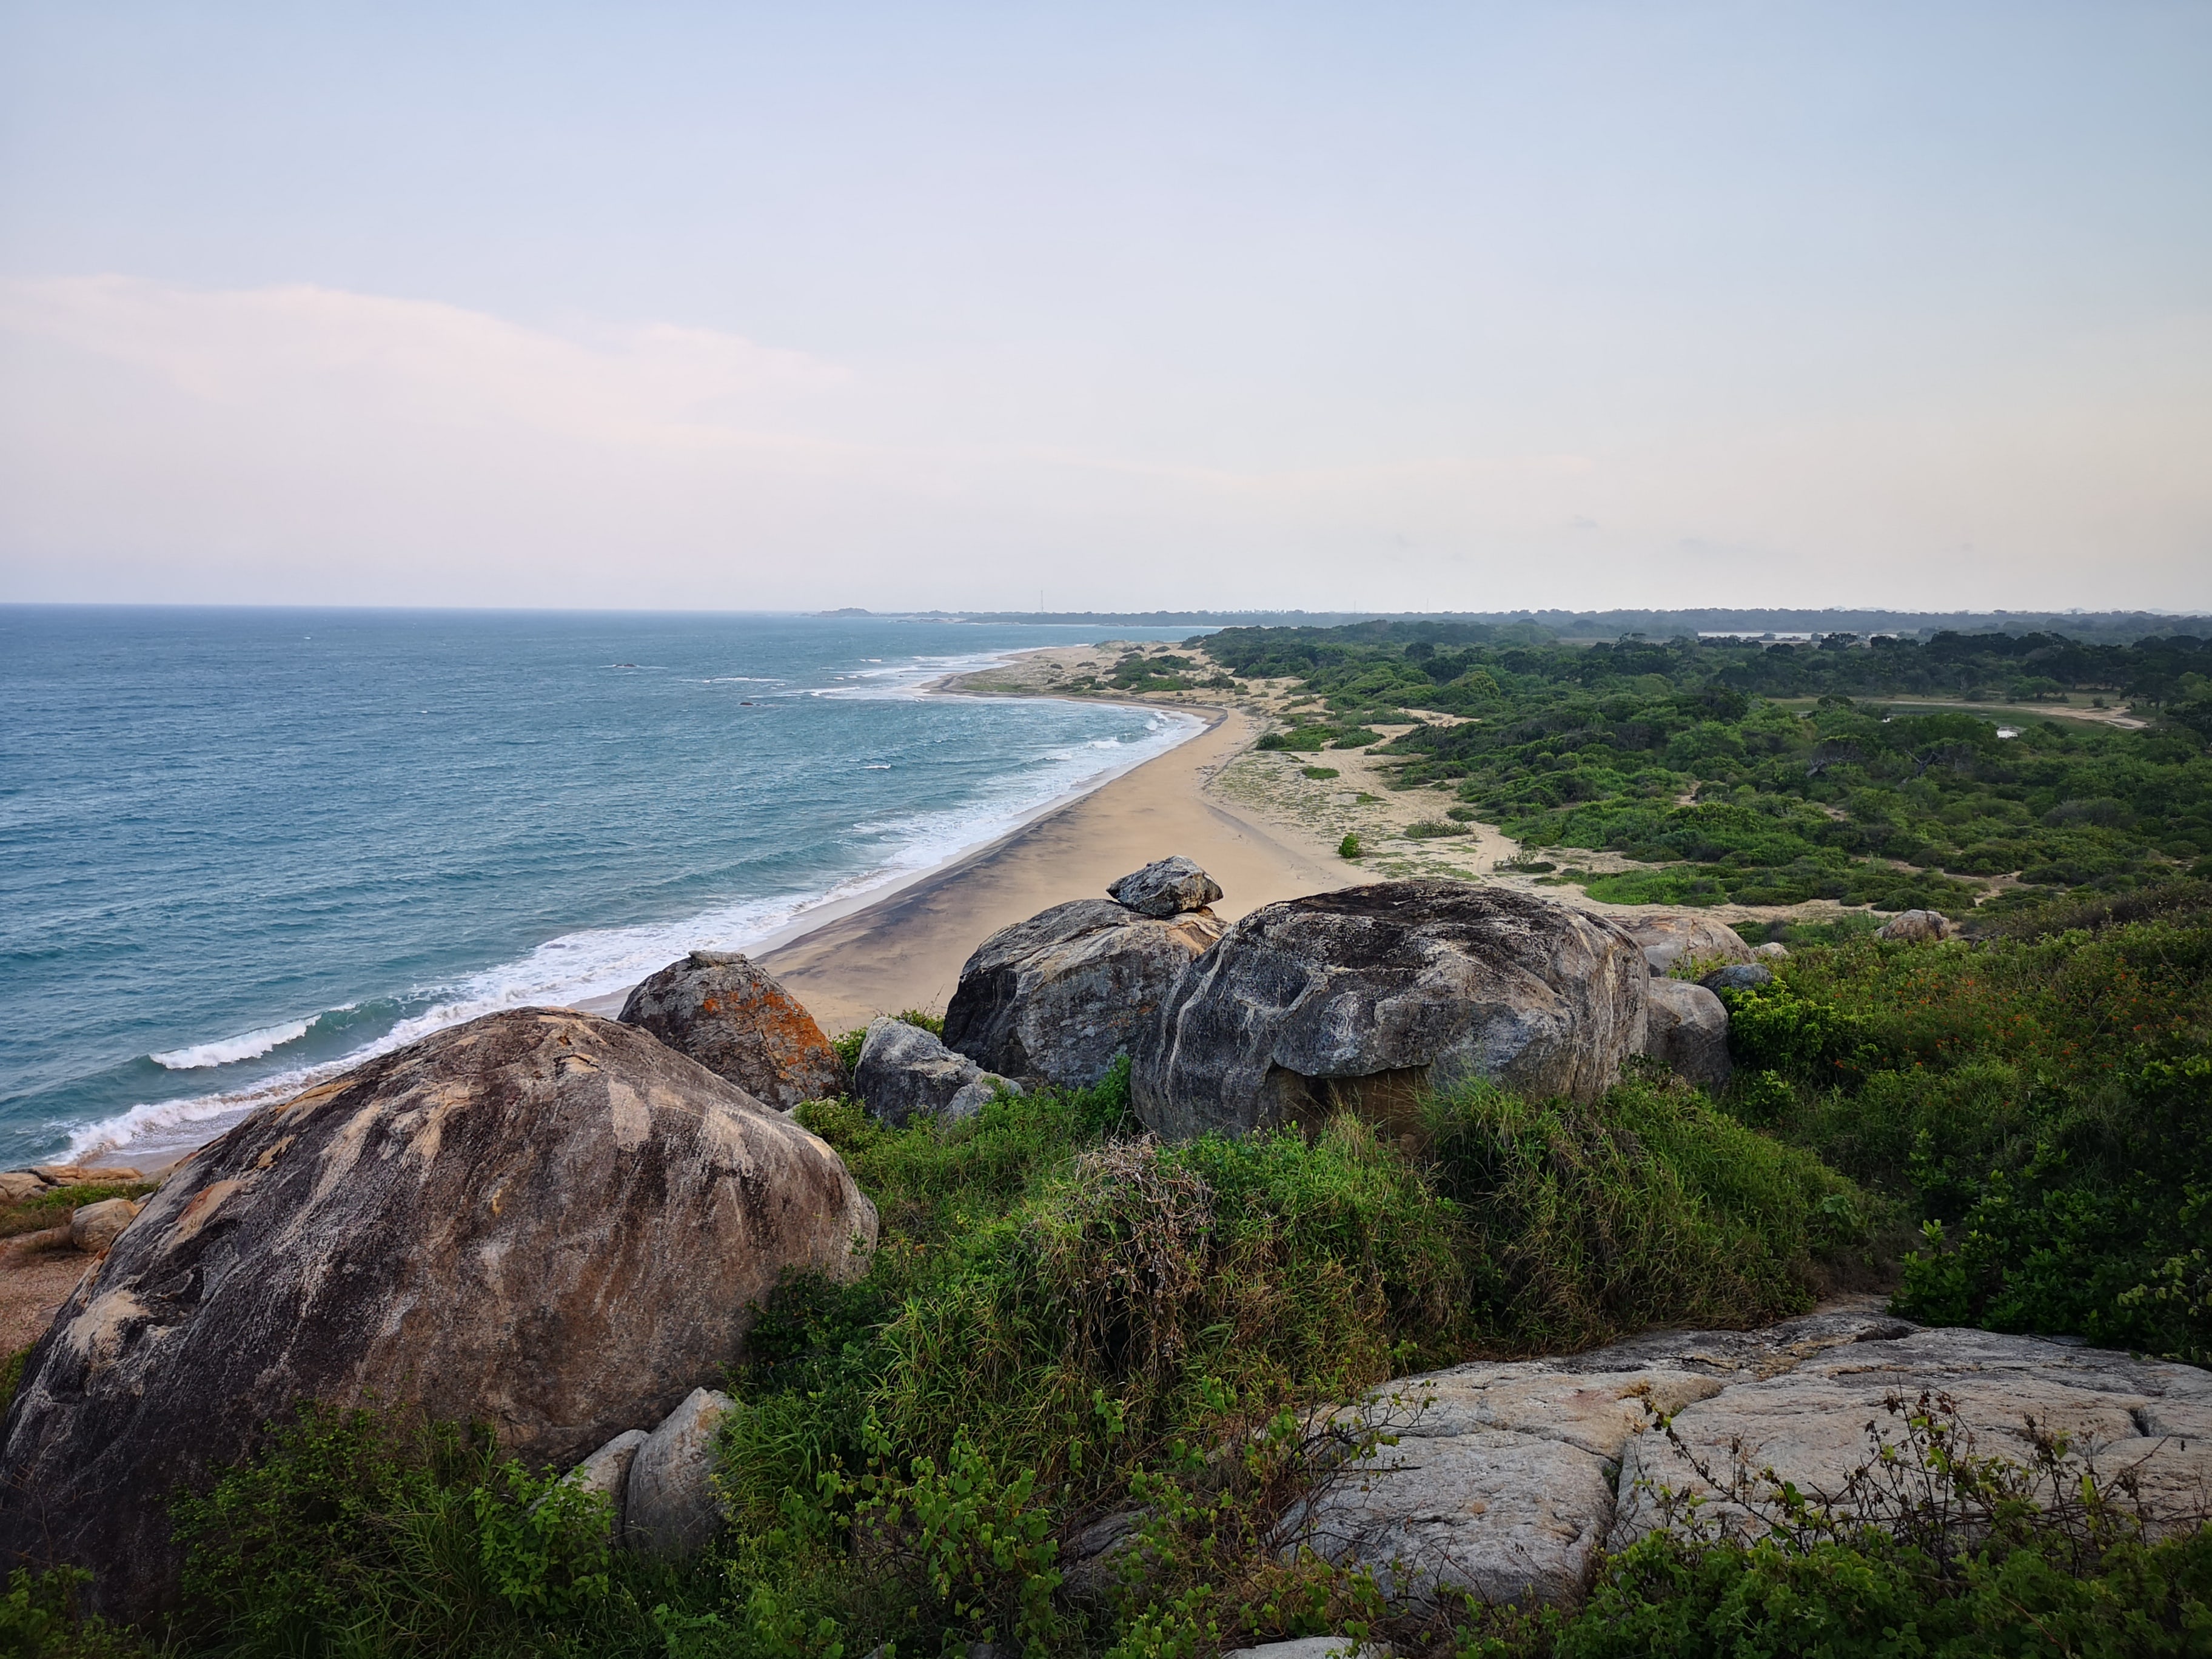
[(1689, 1033), (720, 1009), (1670, 938), (540, 1220), (1056, 997), (1918, 926), (1166, 887), (1360, 999), (903, 1070)]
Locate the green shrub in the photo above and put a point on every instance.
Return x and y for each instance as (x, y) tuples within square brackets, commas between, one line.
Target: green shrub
[(1320, 771), (1349, 847), (1429, 830)]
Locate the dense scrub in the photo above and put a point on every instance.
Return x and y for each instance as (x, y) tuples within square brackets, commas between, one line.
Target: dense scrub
[(1063, 1317), (1680, 757), (2041, 1101)]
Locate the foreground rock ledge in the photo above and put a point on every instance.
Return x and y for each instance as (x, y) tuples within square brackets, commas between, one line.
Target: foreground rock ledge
[(541, 1219), (1508, 1479), (1362, 999)]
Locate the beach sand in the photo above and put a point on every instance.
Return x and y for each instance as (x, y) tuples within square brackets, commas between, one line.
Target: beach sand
[(905, 951)]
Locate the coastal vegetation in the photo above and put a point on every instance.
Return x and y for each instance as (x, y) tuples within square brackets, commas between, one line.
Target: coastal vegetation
[(1066, 1320), (1771, 775)]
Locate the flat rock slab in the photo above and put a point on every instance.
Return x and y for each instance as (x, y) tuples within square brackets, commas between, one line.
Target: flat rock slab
[(1508, 1479)]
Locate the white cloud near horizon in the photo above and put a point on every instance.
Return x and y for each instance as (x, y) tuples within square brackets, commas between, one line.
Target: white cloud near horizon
[(308, 444)]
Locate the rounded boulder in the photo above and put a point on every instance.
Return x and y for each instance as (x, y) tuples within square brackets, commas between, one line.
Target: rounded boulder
[(1362, 999), (721, 1010), (1056, 997), (543, 1221)]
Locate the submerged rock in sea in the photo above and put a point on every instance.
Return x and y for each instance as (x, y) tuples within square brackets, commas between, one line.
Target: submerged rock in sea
[(1668, 939), (1506, 1480), (1166, 887), (1363, 998), (540, 1220), (903, 1071), (1056, 997), (719, 1008), (1689, 1032)]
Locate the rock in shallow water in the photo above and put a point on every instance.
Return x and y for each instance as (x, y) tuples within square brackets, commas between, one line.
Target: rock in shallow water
[(1056, 997), (1361, 998), (721, 1010), (539, 1220)]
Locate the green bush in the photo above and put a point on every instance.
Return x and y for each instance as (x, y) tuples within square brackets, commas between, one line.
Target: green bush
[(1350, 848)]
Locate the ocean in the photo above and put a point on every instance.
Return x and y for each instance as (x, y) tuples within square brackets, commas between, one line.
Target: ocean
[(243, 849)]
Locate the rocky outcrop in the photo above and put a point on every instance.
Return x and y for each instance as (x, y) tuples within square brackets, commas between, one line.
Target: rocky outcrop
[(542, 1220), (1773, 951), (1918, 927), (1507, 1479), (903, 1071), (1361, 999), (1055, 999), (1671, 938), (1166, 887), (722, 1011), (1689, 1032), (670, 1507)]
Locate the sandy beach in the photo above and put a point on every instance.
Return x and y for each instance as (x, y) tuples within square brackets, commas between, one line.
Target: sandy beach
[(905, 951)]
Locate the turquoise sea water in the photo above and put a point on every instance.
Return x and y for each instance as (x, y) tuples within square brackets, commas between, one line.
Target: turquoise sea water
[(239, 850)]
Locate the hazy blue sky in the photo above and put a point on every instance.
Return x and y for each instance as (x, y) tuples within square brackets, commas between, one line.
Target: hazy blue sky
[(1419, 305)]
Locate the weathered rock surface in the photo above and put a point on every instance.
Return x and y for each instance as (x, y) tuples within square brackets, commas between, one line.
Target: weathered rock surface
[(1056, 997), (1918, 926), (16, 1185), (1312, 1647), (95, 1227), (1361, 998), (904, 1070), (1668, 939), (540, 1220), (1166, 887), (671, 1509), (1689, 1029), (1773, 951), (1739, 976), (722, 1011), (1509, 1478), (607, 1470)]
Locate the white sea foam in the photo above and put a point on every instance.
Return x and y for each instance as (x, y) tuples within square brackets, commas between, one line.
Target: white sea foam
[(599, 961), (251, 1046)]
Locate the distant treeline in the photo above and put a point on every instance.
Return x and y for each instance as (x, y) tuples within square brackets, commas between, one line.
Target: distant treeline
[(1682, 757), (2106, 627)]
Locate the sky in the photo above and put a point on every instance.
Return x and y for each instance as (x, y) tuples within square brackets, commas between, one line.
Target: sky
[(1406, 307)]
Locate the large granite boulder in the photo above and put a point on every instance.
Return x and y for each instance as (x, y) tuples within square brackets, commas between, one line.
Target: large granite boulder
[(1166, 887), (1361, 999), (541, 1220), (1508, 1479), (904, 1070), (736, 1021), (1055, 999), (1668, 939), (1689, 1032)]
